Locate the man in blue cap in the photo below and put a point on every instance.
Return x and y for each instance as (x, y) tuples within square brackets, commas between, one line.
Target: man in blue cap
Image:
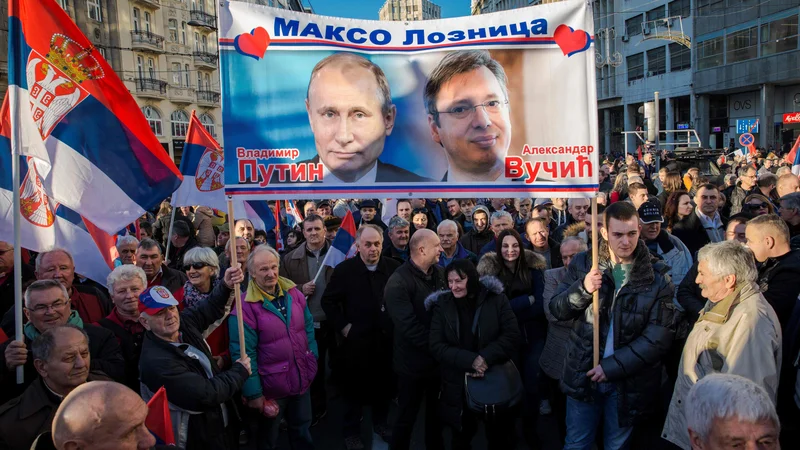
[(175, 356)]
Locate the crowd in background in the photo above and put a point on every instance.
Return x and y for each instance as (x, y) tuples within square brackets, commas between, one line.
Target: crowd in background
[(697, 276)]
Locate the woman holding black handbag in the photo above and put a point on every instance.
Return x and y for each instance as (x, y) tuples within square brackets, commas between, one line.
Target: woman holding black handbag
[(474, 335)]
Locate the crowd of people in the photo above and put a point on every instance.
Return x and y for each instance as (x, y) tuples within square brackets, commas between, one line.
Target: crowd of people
[(698, 322)]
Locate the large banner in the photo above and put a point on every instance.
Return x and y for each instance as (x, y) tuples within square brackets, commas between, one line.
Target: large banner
[(497, 105)]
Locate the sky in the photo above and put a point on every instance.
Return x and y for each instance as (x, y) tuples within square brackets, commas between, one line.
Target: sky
[(368, 9)]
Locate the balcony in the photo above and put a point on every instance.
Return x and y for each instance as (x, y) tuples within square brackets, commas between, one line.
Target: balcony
[(207, 98), (150, 88), (155, 4), (181, 95), (147, 41), (205, 59), (204, 18)]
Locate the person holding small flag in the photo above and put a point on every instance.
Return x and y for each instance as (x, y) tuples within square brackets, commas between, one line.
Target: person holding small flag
[(354, 304)]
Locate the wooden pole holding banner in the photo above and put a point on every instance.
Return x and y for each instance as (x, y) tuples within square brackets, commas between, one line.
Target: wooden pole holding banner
[(169, 233), (237, 290), (596, 293)]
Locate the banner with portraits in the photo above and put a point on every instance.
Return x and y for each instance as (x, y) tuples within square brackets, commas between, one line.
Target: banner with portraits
[(495, 105)]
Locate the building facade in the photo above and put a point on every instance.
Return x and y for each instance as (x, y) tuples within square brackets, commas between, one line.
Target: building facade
[(409, 10), (165, 52)]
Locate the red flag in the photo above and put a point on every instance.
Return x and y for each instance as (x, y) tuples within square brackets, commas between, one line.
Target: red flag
[(639, 152), (792, 158), (158, 419), (751, 148)]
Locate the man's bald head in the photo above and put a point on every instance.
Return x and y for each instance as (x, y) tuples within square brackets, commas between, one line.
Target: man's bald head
[(421, 238), (787, 184), (102, 415)]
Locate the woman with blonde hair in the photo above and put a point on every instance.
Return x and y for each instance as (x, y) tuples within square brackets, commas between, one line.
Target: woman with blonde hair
[(757, 205), (620, 190)]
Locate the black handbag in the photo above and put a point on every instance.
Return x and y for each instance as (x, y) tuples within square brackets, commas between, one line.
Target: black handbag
[(500, 388)]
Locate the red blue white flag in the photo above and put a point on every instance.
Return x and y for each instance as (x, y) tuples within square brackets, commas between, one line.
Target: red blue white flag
[(72, 112), (158, 420), (344, 243), (293, 212), (278, 237), (793, 157), (203, 170)]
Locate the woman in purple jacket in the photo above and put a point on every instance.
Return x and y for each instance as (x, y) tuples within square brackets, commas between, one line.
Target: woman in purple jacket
[(279, 339)]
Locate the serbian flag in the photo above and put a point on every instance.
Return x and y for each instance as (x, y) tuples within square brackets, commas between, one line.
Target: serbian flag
[(46, 224), (71, 111), (344, 244), (202, 167), (793, 157), (293, 212), (158, 420), (259, 213)]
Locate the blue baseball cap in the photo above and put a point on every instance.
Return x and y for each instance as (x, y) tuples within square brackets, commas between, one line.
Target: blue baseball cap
[(155, 299)]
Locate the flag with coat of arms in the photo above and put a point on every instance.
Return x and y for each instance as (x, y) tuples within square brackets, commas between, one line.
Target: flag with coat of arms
[(71, 111), (344, 243)]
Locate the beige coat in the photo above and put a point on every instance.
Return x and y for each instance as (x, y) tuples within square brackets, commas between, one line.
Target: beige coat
[(740, 335), (203, 216)]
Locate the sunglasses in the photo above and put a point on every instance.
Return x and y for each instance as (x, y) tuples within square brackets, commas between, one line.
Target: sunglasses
[(195, 266), (761, 205)]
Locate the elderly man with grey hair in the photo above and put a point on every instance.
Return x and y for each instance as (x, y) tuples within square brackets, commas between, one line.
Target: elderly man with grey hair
[(723, 410), (737, 333), (452, 248), (398, 234), (126, 247), (500, 221), (790, 213)]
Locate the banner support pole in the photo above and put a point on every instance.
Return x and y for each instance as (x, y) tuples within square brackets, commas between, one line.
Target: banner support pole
[(596, 293), (169, 233), (237, 289), (15, 168)]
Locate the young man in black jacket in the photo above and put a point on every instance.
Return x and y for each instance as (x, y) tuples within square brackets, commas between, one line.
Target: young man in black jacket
[(175, 356), (417, 371), (637, 325)]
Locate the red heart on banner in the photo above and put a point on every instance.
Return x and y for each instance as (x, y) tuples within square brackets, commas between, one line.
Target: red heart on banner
[(571, 41), (253, 44)]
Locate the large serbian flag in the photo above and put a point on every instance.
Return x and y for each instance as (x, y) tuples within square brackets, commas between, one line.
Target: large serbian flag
[(202, 167), (344, 244), (71, 111), (793, 157)]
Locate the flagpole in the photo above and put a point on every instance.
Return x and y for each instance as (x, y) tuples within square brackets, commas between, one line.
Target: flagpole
[(237, 290), (169, 233), (15, 167), (596, 293)]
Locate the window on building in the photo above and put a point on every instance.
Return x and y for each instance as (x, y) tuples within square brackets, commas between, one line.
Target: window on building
[(147, 22), (779, 36), (154, 119), (196, 41), (680, 58), (180, 123), (140, 66), (93, 8), (657, 61), (199, 81), (136, 15), (102, 52), (172, 24), (64, 4), (708, 7), (183, 33), (635, 67), (742, 45), (204, 44), (681, 8), (633, 26), (657, 13), (709, 53), (208, 82), (208, 124), (151, 68), (186, 74), (176, 74)]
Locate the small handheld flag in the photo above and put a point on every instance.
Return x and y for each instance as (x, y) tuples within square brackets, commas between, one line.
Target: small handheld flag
[(343, 246), (158, 420)]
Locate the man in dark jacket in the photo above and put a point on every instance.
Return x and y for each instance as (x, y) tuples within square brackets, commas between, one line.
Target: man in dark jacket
[(61, 358), (416, 369), (369, 214), (48, 306), (704, 225), (7, 277), (354, 304), (149, 258), (451, 248), (637, 325), (398, 233), (747, 185), (201, 393), (480, 234), (181, 242), (538, 234), (577, 209)]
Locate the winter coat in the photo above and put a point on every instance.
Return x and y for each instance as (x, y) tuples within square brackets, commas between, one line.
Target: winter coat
[(778, 281), (176, 254), (555, 347), (188, 385), (283, 352), (675, 255), (475, 240), (530, 312), (739, 335), (644, 327), (736, 199), (461, 253), (172, 279), (691, 232), (558, 234), (105, 352), (497, 341), (203, 217), (294, 266), (405, 294)]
